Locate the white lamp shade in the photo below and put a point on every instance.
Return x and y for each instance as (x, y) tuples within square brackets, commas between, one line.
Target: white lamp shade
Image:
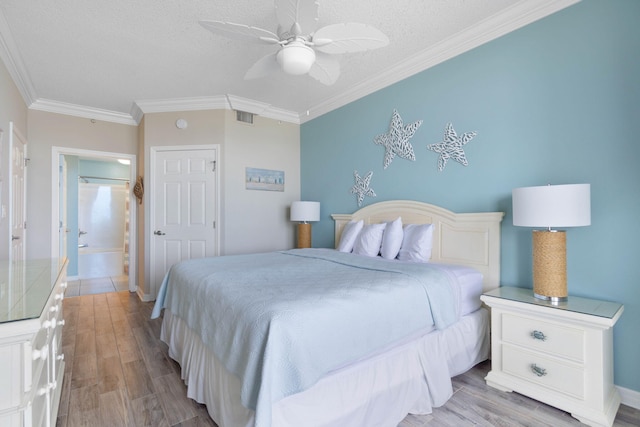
[(552, 206), (296, 58), (305, 211)]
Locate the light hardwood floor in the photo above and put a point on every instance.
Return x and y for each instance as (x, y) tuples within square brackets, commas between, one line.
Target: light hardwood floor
[(118, 373)]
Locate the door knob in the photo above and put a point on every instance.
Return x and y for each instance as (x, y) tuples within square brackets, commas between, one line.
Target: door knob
[(15, 237), (158, 233)]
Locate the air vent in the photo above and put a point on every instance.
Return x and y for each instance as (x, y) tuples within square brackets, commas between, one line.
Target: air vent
[(243, 116)]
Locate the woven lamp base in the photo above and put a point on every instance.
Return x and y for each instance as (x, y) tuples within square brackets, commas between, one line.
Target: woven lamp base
[(550, 265), (304, 235)]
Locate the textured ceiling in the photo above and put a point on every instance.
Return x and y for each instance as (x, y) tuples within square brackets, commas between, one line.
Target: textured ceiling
[(118, 55)]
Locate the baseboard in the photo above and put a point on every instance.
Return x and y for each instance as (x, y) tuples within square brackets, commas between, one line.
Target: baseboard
[(629, 397), (142, 296)]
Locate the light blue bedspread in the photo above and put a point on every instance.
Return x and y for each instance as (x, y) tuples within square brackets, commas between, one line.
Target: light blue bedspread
[(282, 320)]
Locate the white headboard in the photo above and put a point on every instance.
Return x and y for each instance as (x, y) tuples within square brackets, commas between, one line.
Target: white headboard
[(471, 239)]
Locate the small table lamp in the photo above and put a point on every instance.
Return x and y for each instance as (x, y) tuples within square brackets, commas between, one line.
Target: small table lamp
[(304, 212), (551, 206)]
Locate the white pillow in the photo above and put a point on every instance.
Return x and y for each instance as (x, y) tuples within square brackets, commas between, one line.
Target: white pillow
[(392, 239), (349, 234), (416, 244), (369, 240)]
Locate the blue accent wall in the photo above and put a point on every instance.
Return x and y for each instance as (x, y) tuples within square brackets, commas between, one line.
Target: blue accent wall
[(557, 101)]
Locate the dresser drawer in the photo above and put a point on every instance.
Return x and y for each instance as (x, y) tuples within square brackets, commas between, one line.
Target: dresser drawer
[(38, 353), (543, 336), (544, 371), (38, 408)]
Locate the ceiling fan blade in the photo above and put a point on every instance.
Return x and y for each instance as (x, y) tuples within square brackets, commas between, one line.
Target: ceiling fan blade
[(241, 32), (348, 37), (290, 12), (326, 69), (263, 67)]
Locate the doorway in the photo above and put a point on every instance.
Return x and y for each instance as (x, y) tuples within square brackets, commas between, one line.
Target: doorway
[(95, 219)]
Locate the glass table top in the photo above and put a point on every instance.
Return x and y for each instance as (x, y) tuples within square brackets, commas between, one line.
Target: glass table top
[(25, 287), (576, 304)]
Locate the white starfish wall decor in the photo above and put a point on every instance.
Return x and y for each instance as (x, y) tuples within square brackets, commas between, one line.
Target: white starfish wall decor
[(361, 187), (396, 140), (451, 147)]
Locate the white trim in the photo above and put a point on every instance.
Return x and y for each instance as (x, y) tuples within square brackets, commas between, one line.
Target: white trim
[(82, 111), (219, 102), (56, 152), (629, 397), (508, 20), (249, 105), (511, 19), (183, 104), (144, 297), (12, 59)]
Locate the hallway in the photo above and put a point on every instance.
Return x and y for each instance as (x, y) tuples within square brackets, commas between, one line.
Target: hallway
[(97, 286)]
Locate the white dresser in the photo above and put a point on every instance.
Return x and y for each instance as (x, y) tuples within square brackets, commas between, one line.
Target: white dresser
[(31, 359), (561, 354)]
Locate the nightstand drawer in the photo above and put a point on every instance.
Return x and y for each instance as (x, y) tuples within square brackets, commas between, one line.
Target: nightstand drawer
[(549, 373), (543, 336)]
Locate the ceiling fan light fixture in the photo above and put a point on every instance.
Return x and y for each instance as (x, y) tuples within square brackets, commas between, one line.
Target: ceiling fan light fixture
[(296, 58)]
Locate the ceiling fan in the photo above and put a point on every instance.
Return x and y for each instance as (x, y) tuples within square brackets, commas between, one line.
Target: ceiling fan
[(303, 49)]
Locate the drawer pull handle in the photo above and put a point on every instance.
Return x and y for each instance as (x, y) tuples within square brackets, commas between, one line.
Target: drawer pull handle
[(40, 354), (51, 324), (538, 335), (541, 372)]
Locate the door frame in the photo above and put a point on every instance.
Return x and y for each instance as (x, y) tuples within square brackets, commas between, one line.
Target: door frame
[(151, 225), (56, 152)]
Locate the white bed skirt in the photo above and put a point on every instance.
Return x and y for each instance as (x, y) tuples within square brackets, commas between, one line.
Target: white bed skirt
[(380, 391)]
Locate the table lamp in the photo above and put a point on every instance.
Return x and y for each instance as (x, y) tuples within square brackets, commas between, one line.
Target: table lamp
[(304, 212), (551, 206)]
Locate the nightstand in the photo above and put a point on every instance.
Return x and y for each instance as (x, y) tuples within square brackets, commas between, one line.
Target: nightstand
[(559, 354)]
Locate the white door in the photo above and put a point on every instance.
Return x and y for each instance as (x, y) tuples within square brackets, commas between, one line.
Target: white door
[(183, 209), (17, 196)]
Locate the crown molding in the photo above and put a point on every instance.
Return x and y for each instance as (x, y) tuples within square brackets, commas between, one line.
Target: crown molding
[(249, 105), (182, 104), (517, 16), (511, 19), (218, 102), (262, 109), (140, 108), (82, 111), (13, 62)]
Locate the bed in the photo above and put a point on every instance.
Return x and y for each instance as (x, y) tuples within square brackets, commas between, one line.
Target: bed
[(332, 338)]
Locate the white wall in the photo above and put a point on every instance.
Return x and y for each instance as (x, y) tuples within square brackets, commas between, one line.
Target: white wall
[(47, 130), (258, 221), (12, 109), (252, 221), (159, 129)]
